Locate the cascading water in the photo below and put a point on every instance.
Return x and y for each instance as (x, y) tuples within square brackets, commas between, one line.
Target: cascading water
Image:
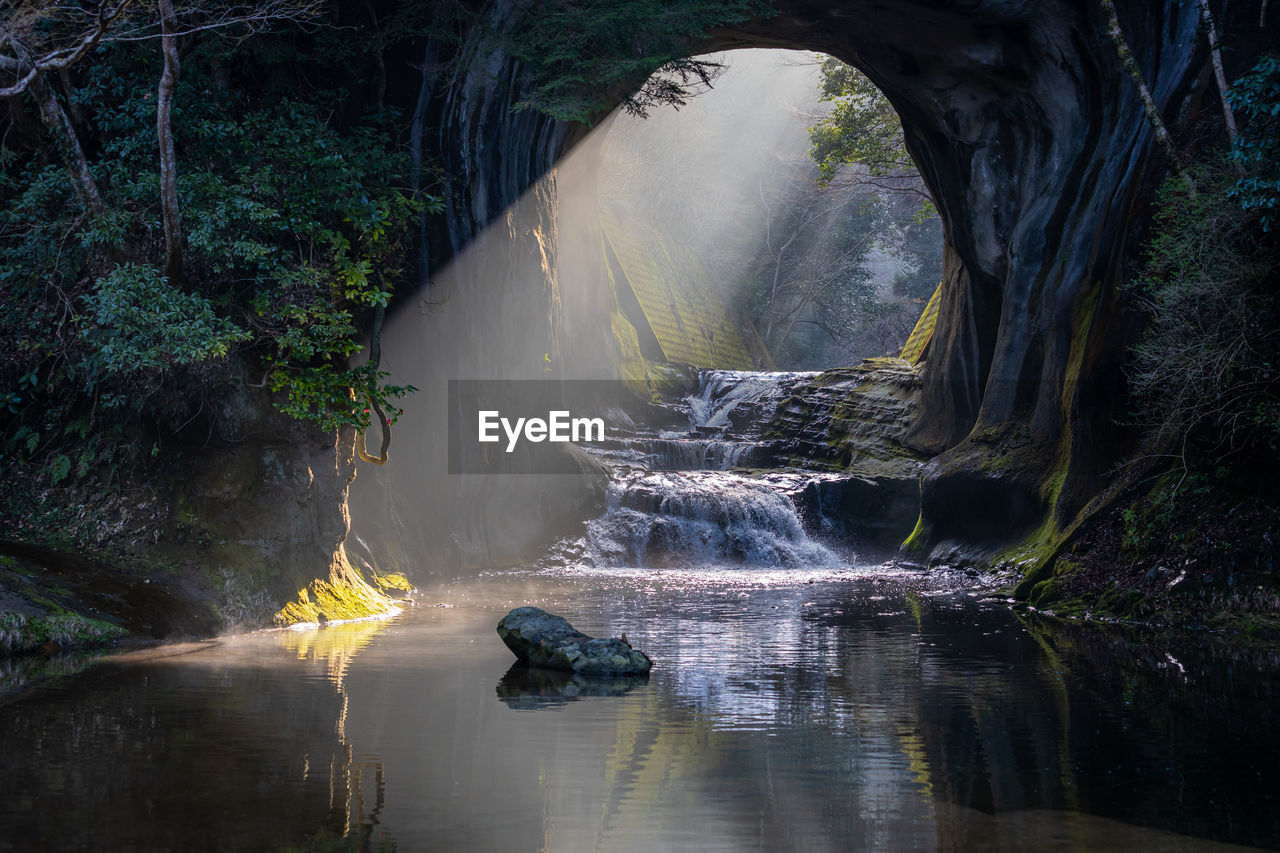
[(672, 502), (683, 519), (734, 401)]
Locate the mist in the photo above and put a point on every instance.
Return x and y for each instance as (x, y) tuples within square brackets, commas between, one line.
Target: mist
[(539, 295)]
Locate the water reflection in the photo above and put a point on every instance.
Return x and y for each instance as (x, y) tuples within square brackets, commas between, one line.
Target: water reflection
[(210, 746), (529, 688), (824, 712)]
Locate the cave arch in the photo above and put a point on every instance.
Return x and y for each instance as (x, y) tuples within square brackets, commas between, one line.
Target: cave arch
[(1036, 148), (1035, 145)]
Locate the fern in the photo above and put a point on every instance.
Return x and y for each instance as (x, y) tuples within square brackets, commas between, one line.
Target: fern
[(60, 468)]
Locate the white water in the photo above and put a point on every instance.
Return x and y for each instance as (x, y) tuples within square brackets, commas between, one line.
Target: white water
[(672, 505), (751, 396), (696, 518)]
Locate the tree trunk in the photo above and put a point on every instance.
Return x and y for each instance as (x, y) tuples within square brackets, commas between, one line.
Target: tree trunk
[(417, 127), (78, 118), (379, 61), (59, 124), (168, 159), (1228, 117), (1144, 91)]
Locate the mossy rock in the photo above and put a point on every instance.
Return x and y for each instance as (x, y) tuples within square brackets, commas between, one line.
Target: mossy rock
[(1045, 593), (344, 596), (670, 381), (392, 584), (21, 634), (1122, 602)]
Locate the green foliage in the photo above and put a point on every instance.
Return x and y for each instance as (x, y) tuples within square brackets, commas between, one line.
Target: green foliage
[(333, 398), (1152, 522), (863, 127), (1255, 97), (296, 226), (582, 53), (859, 150), (144, 323), (1204, 373)]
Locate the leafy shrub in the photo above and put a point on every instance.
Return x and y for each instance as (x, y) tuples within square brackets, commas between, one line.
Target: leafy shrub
[(144, 323), (1256, 99), (1206, 368), (581, 54), (297, 226)]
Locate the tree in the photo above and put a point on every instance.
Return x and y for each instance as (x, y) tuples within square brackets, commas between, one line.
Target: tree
[(164, 135), (1256, 153), (583, 57), (37, 39), (862, 128), (860, 145), (812, 265), (1204, 372), (294, 229), (1125, 54)]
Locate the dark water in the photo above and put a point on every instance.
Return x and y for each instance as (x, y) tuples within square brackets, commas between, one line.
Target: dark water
[(794, 710)]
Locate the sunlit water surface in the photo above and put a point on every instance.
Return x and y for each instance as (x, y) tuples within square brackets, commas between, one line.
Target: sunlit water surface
[(787, 710)]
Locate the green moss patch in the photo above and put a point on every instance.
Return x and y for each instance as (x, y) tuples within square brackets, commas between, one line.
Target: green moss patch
[(392, 584), (21, 634)]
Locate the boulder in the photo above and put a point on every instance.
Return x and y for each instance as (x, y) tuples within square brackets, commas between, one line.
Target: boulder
[(543, 640)]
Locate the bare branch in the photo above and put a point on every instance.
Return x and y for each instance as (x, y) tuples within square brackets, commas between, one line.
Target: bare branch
[(62, 58)]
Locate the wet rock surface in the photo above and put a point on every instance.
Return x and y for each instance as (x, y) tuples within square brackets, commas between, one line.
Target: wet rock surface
[(548, 641)]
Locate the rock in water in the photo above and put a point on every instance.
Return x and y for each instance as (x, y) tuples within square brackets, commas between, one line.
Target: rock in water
[(540, 639)]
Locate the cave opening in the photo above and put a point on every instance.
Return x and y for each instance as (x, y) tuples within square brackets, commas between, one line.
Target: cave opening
[(777, 205), (774, 222)]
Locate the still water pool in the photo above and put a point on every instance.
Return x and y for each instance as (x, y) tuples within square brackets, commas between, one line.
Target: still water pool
[(828, 710)]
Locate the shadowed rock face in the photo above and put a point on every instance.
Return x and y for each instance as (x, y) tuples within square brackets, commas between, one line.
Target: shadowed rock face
[(1033, 141)]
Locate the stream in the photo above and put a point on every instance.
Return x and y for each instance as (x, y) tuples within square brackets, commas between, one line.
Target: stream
[(802, 698), (787, 710)]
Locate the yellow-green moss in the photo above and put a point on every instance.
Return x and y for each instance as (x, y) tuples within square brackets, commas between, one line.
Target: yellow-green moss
[(631, 363), (915, 542), (344, 595), (684, 309), (922, 334), (391, 584)]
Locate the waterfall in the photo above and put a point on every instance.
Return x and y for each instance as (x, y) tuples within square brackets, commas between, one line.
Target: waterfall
[(739, 400), (672, 504), (686, 519)]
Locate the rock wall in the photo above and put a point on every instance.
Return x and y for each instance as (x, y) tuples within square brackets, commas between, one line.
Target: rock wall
[(515, 289), (1033, 140), (264, 518)]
